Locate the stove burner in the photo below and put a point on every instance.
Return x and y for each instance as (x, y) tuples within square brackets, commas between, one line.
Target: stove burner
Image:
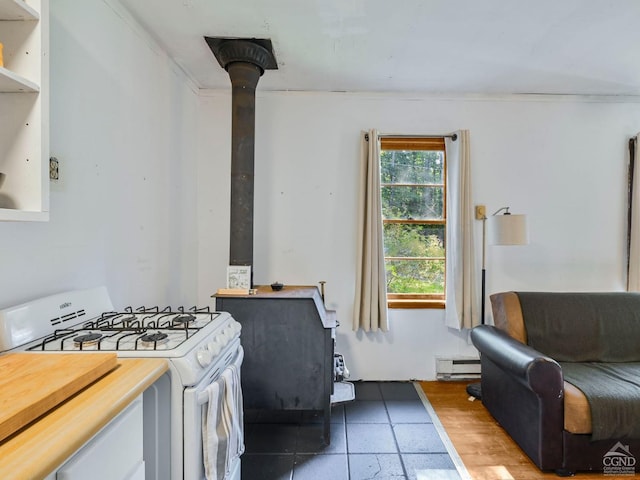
[(154, 338), (88, 339), (183, 320)]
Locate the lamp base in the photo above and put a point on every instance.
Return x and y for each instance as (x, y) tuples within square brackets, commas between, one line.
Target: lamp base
[(475, 390)]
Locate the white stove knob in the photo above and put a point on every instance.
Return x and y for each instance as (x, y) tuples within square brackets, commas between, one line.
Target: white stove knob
[(229, 332), (214, 347), (204, 357)]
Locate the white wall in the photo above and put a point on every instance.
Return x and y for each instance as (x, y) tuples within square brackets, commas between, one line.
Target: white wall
[(561, 160), (143, 200), (123, 212)]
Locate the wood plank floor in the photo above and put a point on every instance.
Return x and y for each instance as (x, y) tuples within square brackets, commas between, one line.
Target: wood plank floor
[(484, 447)]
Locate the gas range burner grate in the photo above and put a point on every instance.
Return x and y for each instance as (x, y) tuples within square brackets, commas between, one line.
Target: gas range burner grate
[(153, 317), (143, 328), (112, 338)]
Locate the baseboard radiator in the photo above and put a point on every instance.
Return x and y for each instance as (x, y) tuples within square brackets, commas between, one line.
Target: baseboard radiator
[(459, 368)]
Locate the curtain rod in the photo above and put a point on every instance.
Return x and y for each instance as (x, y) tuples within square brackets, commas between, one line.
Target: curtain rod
[(452, 136)]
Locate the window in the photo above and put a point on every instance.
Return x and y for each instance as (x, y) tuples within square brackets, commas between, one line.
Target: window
[(413, 188)]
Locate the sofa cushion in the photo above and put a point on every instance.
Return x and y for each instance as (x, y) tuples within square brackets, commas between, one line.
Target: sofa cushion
[(577, 414), (613, 392), (583, 327), (507, 315)]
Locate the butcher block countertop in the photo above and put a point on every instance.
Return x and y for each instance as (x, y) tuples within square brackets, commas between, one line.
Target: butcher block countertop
[(33, 384), (43, 445)]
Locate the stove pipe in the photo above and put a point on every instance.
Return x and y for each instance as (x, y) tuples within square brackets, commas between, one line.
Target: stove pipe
[(245, 60)]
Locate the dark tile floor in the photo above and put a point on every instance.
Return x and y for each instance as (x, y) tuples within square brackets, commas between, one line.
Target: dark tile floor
[(385, 433)]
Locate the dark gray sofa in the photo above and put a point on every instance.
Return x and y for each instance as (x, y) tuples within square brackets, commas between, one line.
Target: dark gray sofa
[(525, 389)]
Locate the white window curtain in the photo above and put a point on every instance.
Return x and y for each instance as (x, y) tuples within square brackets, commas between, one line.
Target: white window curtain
[(633, 274), (462, 309), (370, 306)]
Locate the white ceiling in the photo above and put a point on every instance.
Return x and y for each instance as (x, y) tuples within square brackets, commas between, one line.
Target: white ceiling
[(418, 46)]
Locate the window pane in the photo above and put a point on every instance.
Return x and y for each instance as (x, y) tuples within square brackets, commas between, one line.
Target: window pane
[(416, 203), (421, 167), (406, 273), (412, 180), (403, 240), (415, 276)]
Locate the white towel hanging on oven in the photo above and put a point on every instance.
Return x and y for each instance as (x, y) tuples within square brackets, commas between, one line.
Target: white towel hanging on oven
[(222, 425), (232, 410), (213, 443)]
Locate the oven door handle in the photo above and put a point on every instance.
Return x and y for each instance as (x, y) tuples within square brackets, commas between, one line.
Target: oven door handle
[(203, 397)]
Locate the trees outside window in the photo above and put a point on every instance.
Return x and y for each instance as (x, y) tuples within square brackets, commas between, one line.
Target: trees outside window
[(412, 178)]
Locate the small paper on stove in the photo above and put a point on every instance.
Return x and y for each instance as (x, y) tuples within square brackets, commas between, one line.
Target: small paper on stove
[(239, 277)]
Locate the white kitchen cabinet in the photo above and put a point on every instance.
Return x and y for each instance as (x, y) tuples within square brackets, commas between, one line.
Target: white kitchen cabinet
[(115, 453), (24, 110)]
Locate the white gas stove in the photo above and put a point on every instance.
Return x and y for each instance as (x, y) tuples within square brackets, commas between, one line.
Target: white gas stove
[(199, 345), (84, 320)]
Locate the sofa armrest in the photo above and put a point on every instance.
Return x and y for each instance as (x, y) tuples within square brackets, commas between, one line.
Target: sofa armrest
[(523, 389), (540, 372)]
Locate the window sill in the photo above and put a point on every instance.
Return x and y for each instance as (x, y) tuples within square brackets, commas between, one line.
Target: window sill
[(412, 304)]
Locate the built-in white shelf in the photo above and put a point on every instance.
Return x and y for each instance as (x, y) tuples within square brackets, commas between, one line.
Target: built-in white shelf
[(11, 82), (17, 10), (24, 110), (9, 214)]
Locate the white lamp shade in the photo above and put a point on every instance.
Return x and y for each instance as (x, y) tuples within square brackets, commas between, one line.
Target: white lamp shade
[(509, 230)]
